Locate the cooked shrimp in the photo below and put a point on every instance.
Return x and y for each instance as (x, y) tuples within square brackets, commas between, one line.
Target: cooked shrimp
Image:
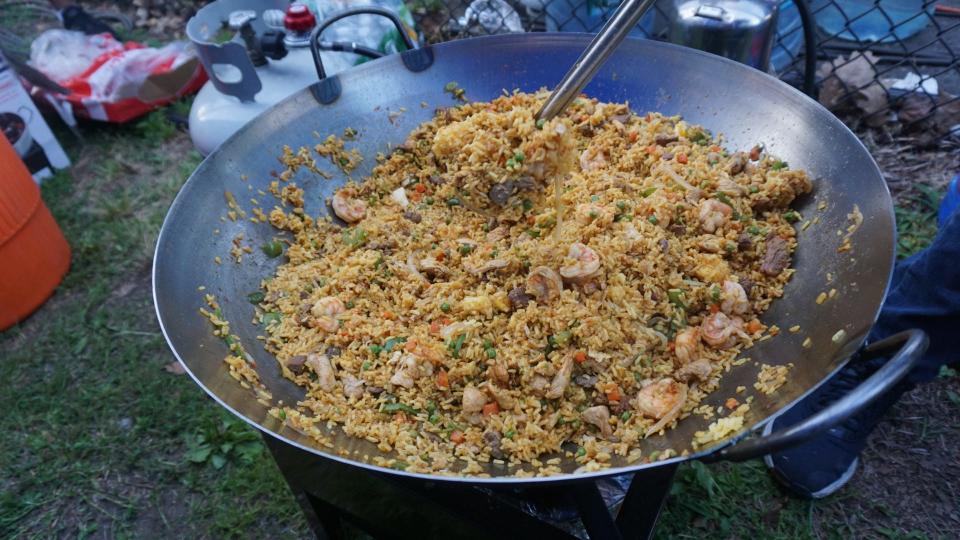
[(687, 345), (662, 401), (347, 207), (600, 417), (492, 264), (325, 311), (407, 371), (423, 351), (352, 386), (432, 268), (713, 214), (326, 377), (561, 379), (473, 400), (720, 331), (735, 300), (544, 284), (592, 159), (584, 263)]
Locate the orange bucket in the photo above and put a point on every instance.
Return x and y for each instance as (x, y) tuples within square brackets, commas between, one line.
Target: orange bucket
[(34, 255)]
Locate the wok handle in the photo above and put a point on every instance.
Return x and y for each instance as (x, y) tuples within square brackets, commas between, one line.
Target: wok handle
[(911, 344), (372, 10)]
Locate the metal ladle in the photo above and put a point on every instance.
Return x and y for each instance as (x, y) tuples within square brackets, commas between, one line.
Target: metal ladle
[(606, 41)]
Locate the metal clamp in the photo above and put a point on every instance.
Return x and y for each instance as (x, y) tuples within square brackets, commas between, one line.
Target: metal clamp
[(328, 89), (911, 344)]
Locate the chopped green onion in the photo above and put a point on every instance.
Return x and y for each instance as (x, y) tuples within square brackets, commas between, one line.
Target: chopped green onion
[(491, 353), (344, 161), (282, 414), (350, 304), (431, 407), (594, 214), (465, 249), (271, 318), (676, 298), (429, 201), (399, 465), (791, 216), (272, 249), (754, 189), (527, 205), (456, 344), (724, 199), (753, 229), (366, 365), (594, 198), (581, 451), (534, 233), (621, 205), (450, 86), (453, 201), (392, 342), (375, 349), (625, 416), (398, 407), (255, 297), (510, 433), (540, 123), (715, 293), (653, 220), (518, 156), (445, 307), (648, 192), (354, 237), (730, 247), (778, 165)]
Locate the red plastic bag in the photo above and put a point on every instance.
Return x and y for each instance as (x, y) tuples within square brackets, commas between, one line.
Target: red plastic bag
[(113, 81)]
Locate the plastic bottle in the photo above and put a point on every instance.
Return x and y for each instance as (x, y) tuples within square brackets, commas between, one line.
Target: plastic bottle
[(872, 20)]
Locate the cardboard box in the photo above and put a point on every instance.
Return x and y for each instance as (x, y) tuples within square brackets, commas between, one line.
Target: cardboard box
[(26, 129)]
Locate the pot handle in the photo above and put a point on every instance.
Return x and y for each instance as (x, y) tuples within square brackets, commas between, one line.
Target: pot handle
[(328, 89), (911, 344)]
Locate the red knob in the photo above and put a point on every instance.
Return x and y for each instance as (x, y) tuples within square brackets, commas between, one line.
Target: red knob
[(299, 19)]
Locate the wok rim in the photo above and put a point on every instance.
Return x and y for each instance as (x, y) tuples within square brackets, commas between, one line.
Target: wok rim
[(544, 38)]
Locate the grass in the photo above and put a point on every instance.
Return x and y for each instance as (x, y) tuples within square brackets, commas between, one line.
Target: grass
[(916, 213), (101, 441)]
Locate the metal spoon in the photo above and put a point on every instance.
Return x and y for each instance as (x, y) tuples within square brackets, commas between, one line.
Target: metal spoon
[(606, 41)]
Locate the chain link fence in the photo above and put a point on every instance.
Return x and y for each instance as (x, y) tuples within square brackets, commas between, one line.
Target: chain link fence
[(885, 64)]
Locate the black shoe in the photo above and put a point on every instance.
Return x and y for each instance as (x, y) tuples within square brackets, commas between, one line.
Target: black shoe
[(823, 465)]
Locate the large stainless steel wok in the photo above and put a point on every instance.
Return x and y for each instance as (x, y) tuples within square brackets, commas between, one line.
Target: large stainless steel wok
[(745, 105)]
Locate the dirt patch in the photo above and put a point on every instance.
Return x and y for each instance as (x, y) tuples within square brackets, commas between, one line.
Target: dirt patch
[(909, 477)]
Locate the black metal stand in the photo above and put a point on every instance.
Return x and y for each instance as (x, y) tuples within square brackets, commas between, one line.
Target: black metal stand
[(385, 506)]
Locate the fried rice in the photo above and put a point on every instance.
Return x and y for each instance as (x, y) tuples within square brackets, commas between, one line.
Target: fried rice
[(454, 311)]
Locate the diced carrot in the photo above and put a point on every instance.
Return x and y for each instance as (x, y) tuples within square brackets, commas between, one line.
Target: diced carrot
[(420, 188), (754, 326), (491, 408), (442, 380), (441, 256), (416, 196), (400, 417), (435, 327), (445, 321), (613, 393), (682, 158), (714, 308), (714, 148), (731, 403), (388, 315), (457, 437), (671, 346), (583, 117), (651, 149), (634, 136), (531, 220), (580, 357)]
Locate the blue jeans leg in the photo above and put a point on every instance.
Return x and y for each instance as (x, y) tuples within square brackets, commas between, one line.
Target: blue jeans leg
[(925, 294)]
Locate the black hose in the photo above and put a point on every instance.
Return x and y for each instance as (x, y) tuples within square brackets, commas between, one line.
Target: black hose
[(809, 47)]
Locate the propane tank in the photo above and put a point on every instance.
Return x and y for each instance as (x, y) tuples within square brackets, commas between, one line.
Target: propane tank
[(267, 60)]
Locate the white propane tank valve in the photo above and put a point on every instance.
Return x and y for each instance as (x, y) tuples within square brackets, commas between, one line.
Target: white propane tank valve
[(240, 89)]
